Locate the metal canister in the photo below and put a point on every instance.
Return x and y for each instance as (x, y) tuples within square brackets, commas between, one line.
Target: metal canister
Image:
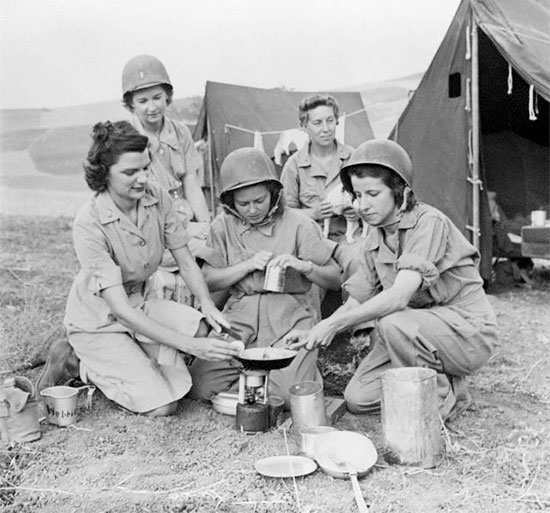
[(275, 278), (252, 418), (307, 405)]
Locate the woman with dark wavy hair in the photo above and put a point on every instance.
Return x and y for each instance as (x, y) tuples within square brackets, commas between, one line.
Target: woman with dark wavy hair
[(129, 347)]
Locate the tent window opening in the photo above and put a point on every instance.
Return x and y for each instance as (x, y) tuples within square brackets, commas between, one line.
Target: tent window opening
[(455, 87)]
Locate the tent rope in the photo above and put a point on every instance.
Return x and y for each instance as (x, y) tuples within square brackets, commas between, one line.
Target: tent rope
[(277, 132), (533, 104), (515, 33)]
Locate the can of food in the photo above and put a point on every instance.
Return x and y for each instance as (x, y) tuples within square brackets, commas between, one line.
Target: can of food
[(275, 279)]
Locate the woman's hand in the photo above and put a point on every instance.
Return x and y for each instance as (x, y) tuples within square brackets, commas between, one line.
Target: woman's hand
[(350, 213), (326, 209), (215, 349), (260, 260), (213, 316), (320, 335), (287, 260)]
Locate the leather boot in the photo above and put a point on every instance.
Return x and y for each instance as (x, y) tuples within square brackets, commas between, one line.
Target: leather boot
[(463, 398), (62, 365)]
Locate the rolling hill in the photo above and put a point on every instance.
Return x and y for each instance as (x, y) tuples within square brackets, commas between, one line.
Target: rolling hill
[(57, 139)]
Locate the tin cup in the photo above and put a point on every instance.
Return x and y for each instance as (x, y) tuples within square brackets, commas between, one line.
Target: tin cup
[(275, 278), (538, 218), (310, 436), (307, 405)]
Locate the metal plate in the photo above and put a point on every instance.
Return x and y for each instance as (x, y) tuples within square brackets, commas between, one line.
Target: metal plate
[(285, 466)]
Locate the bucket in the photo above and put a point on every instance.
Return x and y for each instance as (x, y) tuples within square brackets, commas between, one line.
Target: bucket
[(307, 405), (61, 403), (410, 417), (18, 411)]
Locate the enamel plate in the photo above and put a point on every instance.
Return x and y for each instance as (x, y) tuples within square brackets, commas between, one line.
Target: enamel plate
[(285, 466)]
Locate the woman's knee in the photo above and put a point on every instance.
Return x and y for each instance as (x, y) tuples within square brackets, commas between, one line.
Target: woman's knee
[(361, 397)]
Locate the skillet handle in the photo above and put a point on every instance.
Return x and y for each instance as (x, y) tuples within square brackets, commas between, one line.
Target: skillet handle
[(361, 505)]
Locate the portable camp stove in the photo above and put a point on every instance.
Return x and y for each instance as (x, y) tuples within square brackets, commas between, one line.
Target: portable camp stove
[(252, 408)]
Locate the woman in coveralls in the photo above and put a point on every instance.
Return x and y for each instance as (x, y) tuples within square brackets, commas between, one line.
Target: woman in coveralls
[(147, 92), (418, 284), (254, 233), (314, 170), (129, 347)]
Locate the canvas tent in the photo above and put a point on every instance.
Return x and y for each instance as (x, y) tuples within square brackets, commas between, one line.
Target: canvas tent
[(478, 120), (234, 116)]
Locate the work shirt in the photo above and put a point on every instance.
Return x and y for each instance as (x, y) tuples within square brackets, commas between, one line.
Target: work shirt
[(233, 241), (114, 251), (429, 243), (173, 155), (306, 184)]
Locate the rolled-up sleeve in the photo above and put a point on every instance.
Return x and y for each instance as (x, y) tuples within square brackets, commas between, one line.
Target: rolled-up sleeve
[(312, 245), (214, 252), (175, 233), (425, 247), (93, 253), (364, 283), (191, 157)]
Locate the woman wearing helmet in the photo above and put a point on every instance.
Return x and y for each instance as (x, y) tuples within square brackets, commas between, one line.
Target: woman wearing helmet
[(129, 347), (418, 285), (254, 234), (147, 92)]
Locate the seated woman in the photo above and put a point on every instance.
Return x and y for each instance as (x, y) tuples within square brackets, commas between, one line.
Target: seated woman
[(129, 347), (418, 284), (255, 233)]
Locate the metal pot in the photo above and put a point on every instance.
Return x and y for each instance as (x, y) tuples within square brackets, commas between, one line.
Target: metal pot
[(266, 358)]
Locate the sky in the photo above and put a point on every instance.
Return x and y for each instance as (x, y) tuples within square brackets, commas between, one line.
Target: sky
[(57, 53)]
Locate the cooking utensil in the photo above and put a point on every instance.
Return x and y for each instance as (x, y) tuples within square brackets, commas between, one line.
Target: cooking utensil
[(266, 358), (307, 405), (346, 454), (231, 332), (309, 438), (285, 466)]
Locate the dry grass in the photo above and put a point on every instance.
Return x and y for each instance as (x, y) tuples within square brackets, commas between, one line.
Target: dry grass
[(497, 454)]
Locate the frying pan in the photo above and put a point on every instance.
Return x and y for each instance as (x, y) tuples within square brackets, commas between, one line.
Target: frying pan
[(265, 358), (346, 454)]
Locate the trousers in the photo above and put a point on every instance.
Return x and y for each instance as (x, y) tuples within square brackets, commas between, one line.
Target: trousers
[(448, 339)]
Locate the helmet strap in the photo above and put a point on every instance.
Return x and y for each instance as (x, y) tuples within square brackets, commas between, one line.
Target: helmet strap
[(406, 193)]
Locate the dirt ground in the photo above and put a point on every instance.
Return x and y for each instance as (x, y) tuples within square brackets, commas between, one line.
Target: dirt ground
[(496, 459)]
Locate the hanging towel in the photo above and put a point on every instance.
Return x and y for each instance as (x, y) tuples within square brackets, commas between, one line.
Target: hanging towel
[(258, 141)]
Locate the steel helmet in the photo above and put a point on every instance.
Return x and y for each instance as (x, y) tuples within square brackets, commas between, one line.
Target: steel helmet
[(382, 152), (243, 167), (143, 71)]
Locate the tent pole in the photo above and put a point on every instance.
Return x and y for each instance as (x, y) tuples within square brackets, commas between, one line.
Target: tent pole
[(475, 134), (211, 168)]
